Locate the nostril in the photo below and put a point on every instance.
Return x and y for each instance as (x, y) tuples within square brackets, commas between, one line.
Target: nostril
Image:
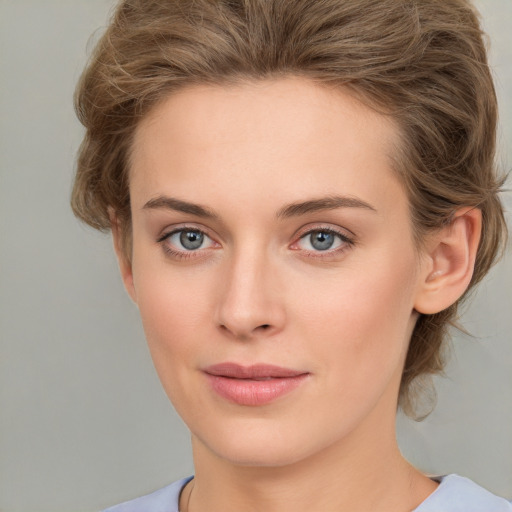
[(243, 332)]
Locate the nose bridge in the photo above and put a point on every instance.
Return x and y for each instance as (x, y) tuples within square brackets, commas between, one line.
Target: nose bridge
[(250, 298)]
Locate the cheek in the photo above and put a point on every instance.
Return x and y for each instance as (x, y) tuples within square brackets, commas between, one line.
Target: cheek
[(363, 320), (173, 310)]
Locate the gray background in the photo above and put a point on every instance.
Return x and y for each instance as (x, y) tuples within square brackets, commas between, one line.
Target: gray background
[(83, 421)]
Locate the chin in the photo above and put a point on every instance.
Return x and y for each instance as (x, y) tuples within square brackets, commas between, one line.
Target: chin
[(258, 454), (260, 443)]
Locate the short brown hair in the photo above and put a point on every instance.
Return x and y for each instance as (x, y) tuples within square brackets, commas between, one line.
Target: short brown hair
[(423, 62)]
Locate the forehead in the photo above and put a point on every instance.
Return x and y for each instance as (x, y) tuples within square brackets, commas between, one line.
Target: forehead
[(288, 136), (262, 109)]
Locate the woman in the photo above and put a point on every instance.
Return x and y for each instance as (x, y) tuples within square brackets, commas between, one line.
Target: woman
[(300, 194)]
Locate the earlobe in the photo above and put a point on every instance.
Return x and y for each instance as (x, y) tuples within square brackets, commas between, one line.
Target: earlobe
[(450, 262), (125, 266)]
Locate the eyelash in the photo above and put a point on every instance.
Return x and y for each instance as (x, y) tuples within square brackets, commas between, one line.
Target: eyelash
[(347, 243), (176, 254)]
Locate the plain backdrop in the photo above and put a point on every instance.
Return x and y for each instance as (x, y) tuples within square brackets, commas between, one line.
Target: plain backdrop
[(83, 420)]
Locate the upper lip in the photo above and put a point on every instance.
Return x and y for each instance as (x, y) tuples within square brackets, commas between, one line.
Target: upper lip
[(256, 371)]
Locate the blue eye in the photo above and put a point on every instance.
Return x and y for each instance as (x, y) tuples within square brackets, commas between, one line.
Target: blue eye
[(191, 240), (188, 240), (322, 240)]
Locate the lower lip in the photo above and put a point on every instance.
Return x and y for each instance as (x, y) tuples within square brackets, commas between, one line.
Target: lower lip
[(254, 392)]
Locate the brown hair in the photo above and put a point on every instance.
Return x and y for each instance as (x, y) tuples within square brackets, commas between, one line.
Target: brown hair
[(421, 61)]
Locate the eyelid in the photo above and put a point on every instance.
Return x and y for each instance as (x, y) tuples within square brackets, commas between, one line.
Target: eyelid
[(167, 232), (348, 240), (344, 233), (183, 254)]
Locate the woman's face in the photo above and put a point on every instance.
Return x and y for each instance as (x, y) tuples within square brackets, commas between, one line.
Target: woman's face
[(273, 266)]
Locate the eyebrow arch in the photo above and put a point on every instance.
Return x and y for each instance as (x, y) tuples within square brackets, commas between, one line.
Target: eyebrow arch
[(171, 203), (323, 203), (291, 210)]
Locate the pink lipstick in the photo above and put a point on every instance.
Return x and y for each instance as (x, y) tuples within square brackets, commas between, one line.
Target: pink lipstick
[(254, 385)]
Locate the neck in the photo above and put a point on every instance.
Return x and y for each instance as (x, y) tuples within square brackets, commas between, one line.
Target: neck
[(362, 472)]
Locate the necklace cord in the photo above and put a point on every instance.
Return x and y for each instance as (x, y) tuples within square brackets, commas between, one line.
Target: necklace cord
[(187, 505)]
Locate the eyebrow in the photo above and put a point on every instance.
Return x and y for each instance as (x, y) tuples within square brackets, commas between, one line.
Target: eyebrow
[(323, 203), (171, 203), (291, 210)]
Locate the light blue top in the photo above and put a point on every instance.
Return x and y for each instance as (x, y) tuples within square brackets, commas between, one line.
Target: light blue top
[(454, 494)]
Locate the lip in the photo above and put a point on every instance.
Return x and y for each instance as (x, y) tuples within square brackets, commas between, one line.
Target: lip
[(254, 385)]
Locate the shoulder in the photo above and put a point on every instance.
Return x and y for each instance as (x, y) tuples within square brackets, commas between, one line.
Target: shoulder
[(458, 494), (163, 500), (454, 494)]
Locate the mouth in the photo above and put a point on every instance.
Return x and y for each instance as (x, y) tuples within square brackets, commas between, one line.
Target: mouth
[(253, 385)]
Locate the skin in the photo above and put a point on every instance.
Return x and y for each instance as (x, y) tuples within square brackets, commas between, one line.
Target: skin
[(258, 291)]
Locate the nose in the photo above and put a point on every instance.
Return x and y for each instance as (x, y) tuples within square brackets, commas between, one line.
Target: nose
[(250, 298)]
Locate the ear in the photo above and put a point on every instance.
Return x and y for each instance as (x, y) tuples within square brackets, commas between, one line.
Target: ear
[(125, 265), (449, 262)]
